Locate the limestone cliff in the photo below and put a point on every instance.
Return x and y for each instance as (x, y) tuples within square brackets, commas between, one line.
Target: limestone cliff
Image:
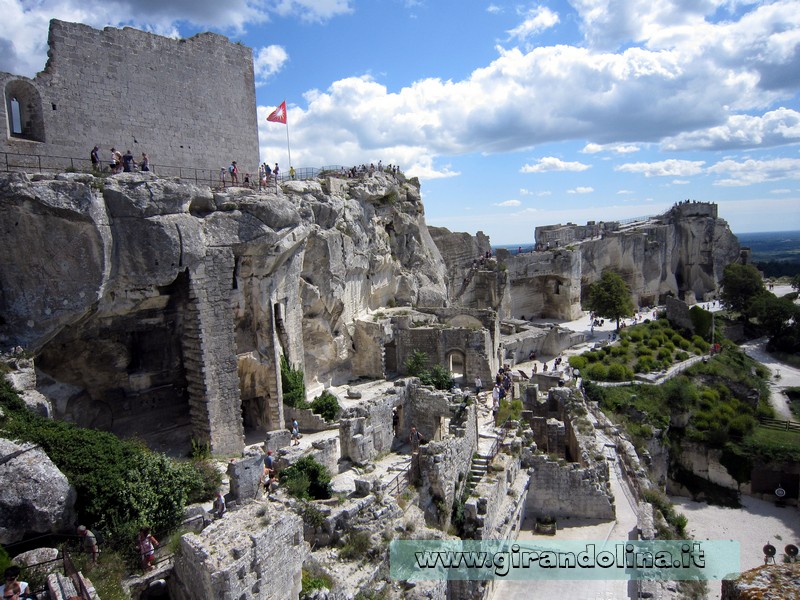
[(159, 308), (682, 253)]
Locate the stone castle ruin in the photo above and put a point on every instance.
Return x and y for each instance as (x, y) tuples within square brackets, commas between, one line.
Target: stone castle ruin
[(170, 305), (187, 103)]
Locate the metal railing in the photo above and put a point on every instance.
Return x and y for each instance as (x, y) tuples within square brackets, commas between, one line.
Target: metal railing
[(41, 163)]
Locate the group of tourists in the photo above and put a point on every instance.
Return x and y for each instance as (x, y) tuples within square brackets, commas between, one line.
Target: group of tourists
[(119, 162)]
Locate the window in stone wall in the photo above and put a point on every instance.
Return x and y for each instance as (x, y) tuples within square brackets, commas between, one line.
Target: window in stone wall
[(24, 110)]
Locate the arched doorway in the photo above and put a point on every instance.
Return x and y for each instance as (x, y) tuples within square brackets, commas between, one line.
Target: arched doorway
[(24, 110), (457, 364)]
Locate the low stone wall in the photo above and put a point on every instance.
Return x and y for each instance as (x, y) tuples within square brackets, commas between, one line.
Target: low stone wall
[(245, 477), (255, 552), (307, 421), (496, 507)]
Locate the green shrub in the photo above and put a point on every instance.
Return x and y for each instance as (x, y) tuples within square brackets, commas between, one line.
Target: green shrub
[(664, 354), (701, 320), (619, 352), (577, 362), (644, 365), (684, 344), (681, 356), (591, 356), (597, 371), (438, 377), (121, 485), (357, 546), (204, 482), (618, 372), (307, 479), (294, 385), (327, 406), (700, 344), (416, 363), (311, 583)]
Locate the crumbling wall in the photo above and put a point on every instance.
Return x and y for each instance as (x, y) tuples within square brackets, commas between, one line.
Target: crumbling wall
[(561, 489), (444, 465), (128, 88), (255, 552), (367, 430)]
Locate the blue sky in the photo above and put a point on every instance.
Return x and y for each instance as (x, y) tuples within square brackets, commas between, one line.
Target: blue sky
[(512, 114)]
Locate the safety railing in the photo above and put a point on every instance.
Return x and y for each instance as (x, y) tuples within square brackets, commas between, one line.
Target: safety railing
[(40, 163)]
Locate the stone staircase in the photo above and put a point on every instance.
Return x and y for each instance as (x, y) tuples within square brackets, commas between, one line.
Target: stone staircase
[(479, 468)]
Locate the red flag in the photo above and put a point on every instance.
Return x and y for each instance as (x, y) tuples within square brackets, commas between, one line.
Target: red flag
[(279, 114)]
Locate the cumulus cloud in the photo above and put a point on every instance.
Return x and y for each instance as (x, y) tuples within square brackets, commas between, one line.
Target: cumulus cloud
[(268, 61), (680, 182), (581, 190), (748, 172), (509, 203), (536, 20), (592, 148), (781, 191), (552, 163), (773, 128), (664, 168), (625, 192)]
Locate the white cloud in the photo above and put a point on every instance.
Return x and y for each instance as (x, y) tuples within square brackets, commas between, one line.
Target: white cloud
[(544, 194), (509, 203), (773, 128), (781, 191), (525, 192), (680, 182), (267, 61), (581, 190), (625, 192), (750, 171), (616, 148), (536, 20), (552, 163), (494, 9), (664, 168)]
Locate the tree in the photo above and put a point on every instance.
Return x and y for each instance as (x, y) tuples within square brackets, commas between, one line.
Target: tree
[(775, 314), (610, 297), (741, 285)]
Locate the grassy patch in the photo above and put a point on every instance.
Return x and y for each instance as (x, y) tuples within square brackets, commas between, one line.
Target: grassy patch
[(773, 444)]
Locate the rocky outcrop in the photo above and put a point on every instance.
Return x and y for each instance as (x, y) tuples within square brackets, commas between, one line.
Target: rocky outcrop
[(168, 306), (681, 253), (35, 496), (770, 582)]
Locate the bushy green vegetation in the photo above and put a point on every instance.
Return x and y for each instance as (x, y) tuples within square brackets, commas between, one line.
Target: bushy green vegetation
[(649, 346), (121, 485), (307, 479), (327, 406), (437, 376), (294, 385)]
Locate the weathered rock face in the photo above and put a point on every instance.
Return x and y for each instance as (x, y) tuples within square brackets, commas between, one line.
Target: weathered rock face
[(35, 496), (770, 582), (681, 253), (164, 299)]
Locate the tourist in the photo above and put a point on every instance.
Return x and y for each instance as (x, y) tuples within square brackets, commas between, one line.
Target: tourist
[(95, 156), (234, 173), (246, 180), (269, 463), (89, 542), (414, 437), (127, 162), (295, 433), (116, 159), (292, 172), (13, 588), (275, 172), (219, 505), (146, 544), (478, 385), (144, 164), (267, 173)]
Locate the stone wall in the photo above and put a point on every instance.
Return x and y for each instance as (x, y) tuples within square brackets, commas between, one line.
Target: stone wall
[(367, 430), (561, 489), (444, 465), (128, 89), (255, 552)]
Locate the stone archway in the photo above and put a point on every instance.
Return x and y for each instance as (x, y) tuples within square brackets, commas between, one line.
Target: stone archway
[(24, 110), (457, 365)]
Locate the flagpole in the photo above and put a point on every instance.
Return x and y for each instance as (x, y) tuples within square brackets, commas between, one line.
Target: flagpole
[(288, 149)]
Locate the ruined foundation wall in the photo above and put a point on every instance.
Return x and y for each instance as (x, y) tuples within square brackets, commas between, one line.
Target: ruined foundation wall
[(255, 552)]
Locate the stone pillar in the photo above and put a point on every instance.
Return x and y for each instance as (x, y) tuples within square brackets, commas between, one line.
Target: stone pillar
[(209, 355)]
